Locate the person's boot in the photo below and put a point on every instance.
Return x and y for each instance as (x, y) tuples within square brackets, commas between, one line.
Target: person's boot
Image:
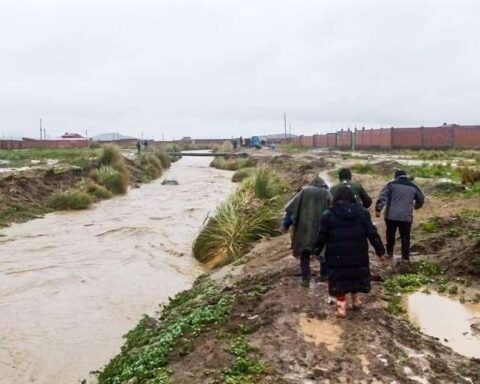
[(356, 301), (342, 308)]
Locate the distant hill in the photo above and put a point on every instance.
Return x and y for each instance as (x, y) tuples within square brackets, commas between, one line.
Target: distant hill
[(112, 136)]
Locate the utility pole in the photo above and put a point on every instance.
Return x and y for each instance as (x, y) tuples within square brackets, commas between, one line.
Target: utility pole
[(41, 129), (86, 134), (285, 123), (290, 129)]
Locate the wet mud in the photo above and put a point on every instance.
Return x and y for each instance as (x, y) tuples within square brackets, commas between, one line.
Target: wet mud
[(73, 283)]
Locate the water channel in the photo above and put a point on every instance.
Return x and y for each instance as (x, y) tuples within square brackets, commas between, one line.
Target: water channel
[(72, 283)]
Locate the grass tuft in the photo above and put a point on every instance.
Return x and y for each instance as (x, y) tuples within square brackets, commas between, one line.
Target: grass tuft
[(242, 174), (112, 179), (70, 200)]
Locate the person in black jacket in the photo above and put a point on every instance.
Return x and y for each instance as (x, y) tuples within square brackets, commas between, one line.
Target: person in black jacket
[(345, 230)]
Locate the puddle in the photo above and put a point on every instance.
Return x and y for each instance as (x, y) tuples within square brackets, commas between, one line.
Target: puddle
[(320, 332), (72, 283), (446, 319)]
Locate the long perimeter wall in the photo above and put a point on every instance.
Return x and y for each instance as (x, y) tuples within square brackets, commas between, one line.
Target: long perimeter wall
[(444, 137)]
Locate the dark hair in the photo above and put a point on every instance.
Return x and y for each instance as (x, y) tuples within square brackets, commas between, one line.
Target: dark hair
[(344, 193), (345, 174), (399, 172)]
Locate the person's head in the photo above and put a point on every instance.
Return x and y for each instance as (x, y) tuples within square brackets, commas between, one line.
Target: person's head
[(344, 194), (399, 173), (319, 182), (345, 174)]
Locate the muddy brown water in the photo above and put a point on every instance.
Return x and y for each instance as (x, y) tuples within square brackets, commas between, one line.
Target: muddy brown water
[(72, 283), (446, 319)]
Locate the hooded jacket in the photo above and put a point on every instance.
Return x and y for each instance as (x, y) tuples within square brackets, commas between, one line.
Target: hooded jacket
[(361, 195), (304, 212), (400, 197), (345, 230)]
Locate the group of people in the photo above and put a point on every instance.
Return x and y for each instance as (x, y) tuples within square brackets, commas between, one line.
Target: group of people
[(338, 221)]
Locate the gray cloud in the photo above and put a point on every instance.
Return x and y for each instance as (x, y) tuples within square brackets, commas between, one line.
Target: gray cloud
[(217, 69)]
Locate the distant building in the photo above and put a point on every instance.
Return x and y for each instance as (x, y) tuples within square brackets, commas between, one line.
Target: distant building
[(68, 135)]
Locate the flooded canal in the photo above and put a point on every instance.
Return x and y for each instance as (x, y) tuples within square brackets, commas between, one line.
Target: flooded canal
[(73, 283), (448, 320)]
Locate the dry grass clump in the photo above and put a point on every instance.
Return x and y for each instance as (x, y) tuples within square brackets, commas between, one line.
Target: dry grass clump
[(112, 179), (97, 191), (470, 176), (251, 212), (242, 174), (70, 200), (226, 147), (152, 165), (231, 164), (164, 159)]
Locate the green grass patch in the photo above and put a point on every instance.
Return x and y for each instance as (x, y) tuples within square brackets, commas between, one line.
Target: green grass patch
[(423, 273), (435, 171), (97, 191), (148, 347), (70, 200), (363, 168), (19, 213), (80, 157), (246, 368)]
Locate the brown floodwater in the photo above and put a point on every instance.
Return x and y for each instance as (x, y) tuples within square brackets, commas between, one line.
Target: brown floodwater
[(72, 283), (448, 320)]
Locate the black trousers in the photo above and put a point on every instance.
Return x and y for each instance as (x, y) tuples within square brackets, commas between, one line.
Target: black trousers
[(404, 229), (305, 265)]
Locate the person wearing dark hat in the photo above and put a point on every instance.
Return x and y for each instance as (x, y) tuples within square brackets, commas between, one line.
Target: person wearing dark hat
[(399, 198), (361, 196)]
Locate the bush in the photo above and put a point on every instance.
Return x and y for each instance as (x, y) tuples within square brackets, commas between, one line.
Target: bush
[(242, 174), (231, 164), (164, 159), (152, 165), (469, 176), (112, 179), (226, 147), (70, 200), (111, 155), (98, 191), (237, 223), (264, 183)]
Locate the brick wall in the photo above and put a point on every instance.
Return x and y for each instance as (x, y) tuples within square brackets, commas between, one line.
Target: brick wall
[(438, 137), (320, 141), (407, 138), (306, 141), (344, 139), (331, 140), (467, 136)]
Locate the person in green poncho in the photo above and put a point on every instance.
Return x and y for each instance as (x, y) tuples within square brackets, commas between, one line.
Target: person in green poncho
[(361, 196), (303, 214)]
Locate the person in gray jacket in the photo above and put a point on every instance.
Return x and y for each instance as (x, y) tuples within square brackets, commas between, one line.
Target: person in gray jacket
[(399, 197)]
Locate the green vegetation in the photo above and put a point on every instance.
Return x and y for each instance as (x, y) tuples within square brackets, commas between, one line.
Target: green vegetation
[(423, 273), (17, 213), (73, 199), (80, 157), (149, 346), (164, 159), (242, 174), (231, 164), (251, 212), (246, 367), (363, 168), (111, 179), (152, 165), (97, 191), (430, 226)]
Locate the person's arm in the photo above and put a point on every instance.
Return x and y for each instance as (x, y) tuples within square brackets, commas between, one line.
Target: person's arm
[(419, 198), (373, 236), (366, 199), (322, 236), (382, 199), (287, 222)]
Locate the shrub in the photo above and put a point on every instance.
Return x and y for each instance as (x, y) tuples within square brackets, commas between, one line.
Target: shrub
[(469, 176), (237, 223), (111, 155), (363, 168), (112, 179), (72, 199), (242, 174), (99, 191), (152, 165), (264, 183), (226, 147), (164, 159), (231, 164)]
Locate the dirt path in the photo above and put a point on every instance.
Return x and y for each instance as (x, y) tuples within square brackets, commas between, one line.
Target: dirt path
[(73, 283)]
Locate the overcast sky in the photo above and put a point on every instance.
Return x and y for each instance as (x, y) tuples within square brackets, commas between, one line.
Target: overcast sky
[(225, 68)]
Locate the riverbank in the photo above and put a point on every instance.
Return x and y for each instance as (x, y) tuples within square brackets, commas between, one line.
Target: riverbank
[(74, 282), (252, 322)]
